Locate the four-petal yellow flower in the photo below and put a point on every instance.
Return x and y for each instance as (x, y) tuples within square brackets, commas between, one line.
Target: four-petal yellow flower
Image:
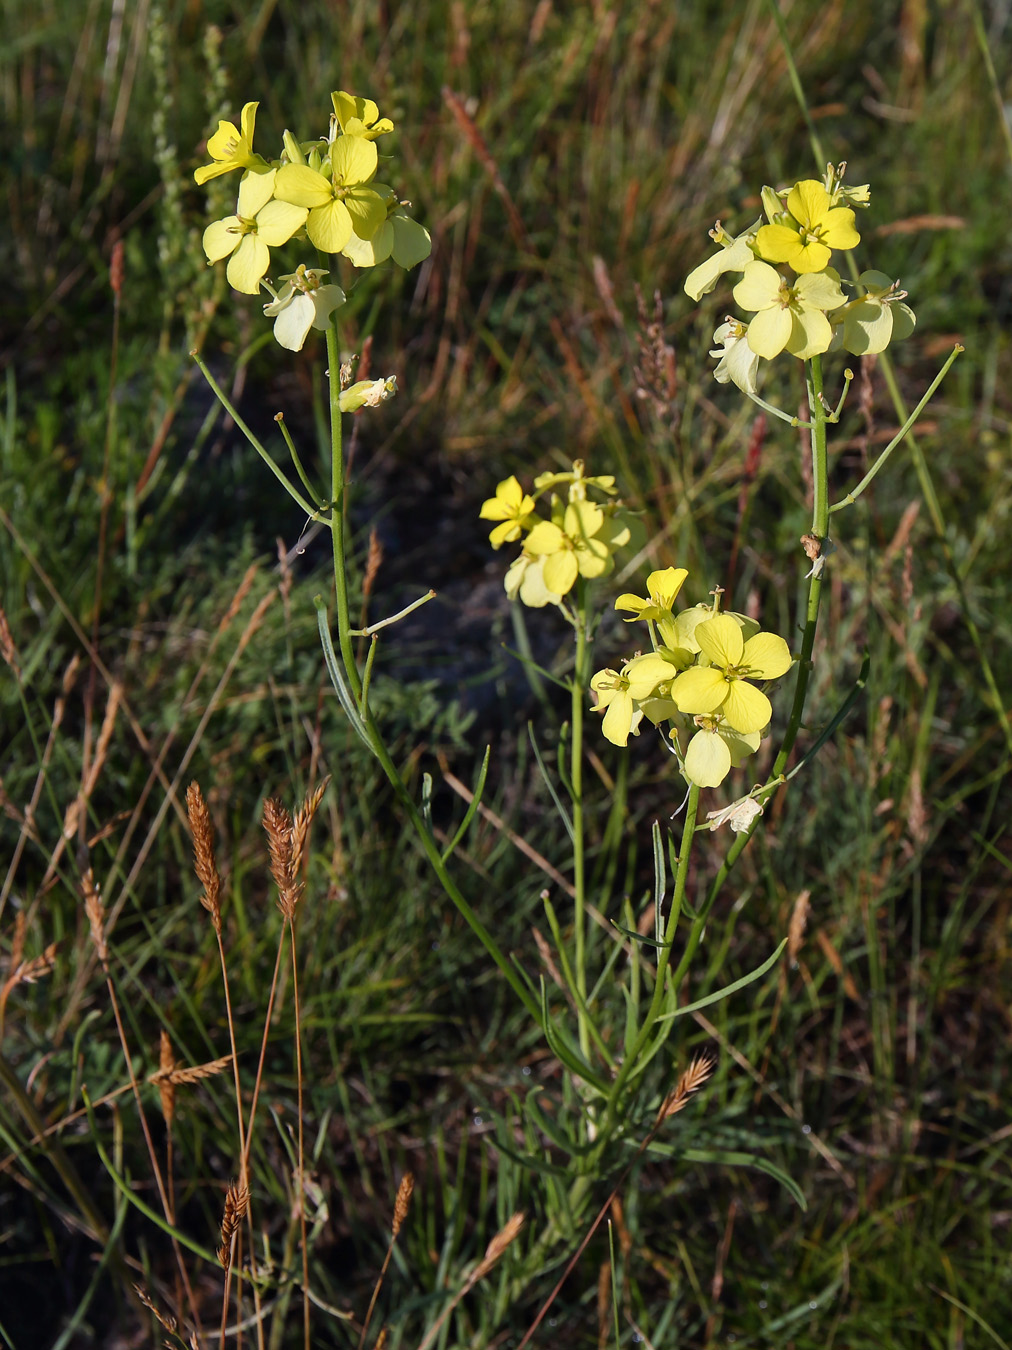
[(813, 228), (723, 686), (258, 222), (231, 147)]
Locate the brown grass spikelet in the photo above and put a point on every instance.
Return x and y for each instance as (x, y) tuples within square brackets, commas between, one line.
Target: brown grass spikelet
[(8, 650), (373, 563), (166, 1087), (203, 852), (95, 910), (278, 824), (690, 1081), (303, 823), (167, 1320), (236, 1205), (196, 1073), (798, 924), (117, 267), (403, 1202), (508, 1233), (20, 971)]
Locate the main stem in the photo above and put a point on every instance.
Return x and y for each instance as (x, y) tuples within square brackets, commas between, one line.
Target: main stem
[(820, 528), (337, 487), (579, 689)]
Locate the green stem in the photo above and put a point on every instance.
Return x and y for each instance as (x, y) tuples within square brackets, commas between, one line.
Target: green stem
[(337, 516), (820, 528), (220, 395), (579, 694), (632, 1060)]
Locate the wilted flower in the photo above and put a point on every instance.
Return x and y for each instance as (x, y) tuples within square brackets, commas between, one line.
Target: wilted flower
[(876, 318), (738, 363), (734, 256), (302, 303), (367, 394)]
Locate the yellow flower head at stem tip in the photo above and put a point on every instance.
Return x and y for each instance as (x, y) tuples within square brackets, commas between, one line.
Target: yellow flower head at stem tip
[(812, 229), (512, 507), (258, 222), (231, 148), (722, 686)]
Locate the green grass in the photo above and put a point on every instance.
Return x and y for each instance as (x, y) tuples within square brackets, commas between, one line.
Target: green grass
[(873, 1071)]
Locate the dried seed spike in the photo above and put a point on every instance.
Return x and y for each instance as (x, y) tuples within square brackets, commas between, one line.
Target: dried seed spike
[(796, 928), (203, 852), (278, 824), (403, 1202), (117, 267), (506, 1234), (236, 1205), (689, 1082), (166, 1086), (195, 1074), (304, 817), (166, 1319), (95, 911), (7, 648), (373, 562)]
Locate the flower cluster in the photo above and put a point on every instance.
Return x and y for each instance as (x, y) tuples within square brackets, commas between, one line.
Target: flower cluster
[(811, 313), (322, 190), (699, 678), (578, 538)]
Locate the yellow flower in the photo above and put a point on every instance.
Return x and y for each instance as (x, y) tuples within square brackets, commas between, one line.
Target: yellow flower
[(231, 148), (662, 589), (812, 229), (716, 749), (336, 195), (722, 686), (788, 316), (512, 507), (574, 548), (359, 116), (620, 694), (258, 222)]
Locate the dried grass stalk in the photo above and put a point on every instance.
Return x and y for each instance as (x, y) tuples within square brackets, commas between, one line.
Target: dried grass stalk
[(95, 910), (236, 1205), (167, 1320), (691, 1080), (403, 1202), (203, 852), (796, 928), (8, 650), (278, 824), (303, 823), (195, 1074)]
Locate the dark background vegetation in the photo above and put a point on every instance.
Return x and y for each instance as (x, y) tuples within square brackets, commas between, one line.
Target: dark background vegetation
[(567, 157)]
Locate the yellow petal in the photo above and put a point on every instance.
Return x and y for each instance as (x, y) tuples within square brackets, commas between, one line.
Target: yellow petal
[(700, 689), (561, 570), (278, 221), (707, 760), (302, 186), (720, 640), (255, 191), (248, 264), (222, 238), (329, 227), (767, 656), (618, 719), (746, 708), (354, 160)]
